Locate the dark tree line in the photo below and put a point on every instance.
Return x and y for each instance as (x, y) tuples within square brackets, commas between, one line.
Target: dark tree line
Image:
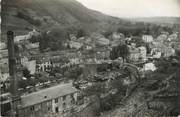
[(24, 15), (53, 39), (119, 51)]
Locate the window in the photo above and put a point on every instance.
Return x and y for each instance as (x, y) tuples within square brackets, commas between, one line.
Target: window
[(56, 100), (72, 101), (64, 97), (37, 107), (72, 95), (48, 103), (64, 105), (32, 108), (57, 109)]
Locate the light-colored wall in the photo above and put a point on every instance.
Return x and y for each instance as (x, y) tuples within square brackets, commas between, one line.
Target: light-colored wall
[(41, 110)]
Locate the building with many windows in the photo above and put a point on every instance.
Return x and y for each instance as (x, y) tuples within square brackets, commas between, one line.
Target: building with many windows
[(147, 38), (137, 54), (50, 102), (44, 65)]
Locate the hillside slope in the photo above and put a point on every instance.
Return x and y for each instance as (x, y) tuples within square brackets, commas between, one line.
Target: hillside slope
[(23, 15)]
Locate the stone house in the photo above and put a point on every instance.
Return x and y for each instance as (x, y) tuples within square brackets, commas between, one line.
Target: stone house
[(166, 51), (137, 54), (3, 45), (24, 60), (117, 38), (4, 53), (5, 104), (32, 46), (102, 42), (31, 66), (72, 37), (22, 38), (162, 38), (75, 45), (4, 76), (149, 67), (134, 55), (173, 37), (51, 102), (4, 70), (147, 38), (143, 52), (44, 65), (56, 62)]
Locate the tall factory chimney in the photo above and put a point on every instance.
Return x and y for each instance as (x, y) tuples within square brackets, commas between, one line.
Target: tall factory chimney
[(13, 75), (12, 64)]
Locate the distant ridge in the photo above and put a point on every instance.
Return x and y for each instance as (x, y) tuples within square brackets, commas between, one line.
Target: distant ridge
[(157, 20)]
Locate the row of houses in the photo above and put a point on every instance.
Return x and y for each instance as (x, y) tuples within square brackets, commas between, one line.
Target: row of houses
[(159, 49), (95, 40), (163, 45), (137, 53), (4, 70), (23, 44), (163, 37), (54, 101)]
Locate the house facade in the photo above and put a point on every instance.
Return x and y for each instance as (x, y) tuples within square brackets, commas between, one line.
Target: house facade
[(161, 50), (147, 38), (44, 66), (143, 52), (50, 102), (167, 52), (162, 38), (134, 55), (137, 54)]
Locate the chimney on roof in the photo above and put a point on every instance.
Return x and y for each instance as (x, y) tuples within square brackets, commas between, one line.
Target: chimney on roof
[(12, 64)]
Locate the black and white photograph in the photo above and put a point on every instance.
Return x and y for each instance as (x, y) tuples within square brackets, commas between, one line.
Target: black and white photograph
[(90, 58)]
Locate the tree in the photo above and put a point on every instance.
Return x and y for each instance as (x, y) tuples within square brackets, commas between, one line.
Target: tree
[(97, 90), (22, 84), (43, 77), (26, 73), (53, 39), (81, 33), (119, 51), (107, 34), (34, 39), (43, 41), (163, 65), (74, 72)]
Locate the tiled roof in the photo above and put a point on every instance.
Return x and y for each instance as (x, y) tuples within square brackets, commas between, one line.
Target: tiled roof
[(47, 94)]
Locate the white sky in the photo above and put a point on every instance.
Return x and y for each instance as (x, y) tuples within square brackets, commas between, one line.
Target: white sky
[(135, 8)]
